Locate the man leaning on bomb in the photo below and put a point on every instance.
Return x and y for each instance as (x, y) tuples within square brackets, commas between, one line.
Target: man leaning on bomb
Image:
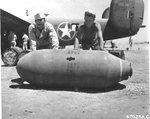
[(89, 33), (42, 34)]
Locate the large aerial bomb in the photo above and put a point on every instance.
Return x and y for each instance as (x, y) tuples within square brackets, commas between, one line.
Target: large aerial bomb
[(73, 68)]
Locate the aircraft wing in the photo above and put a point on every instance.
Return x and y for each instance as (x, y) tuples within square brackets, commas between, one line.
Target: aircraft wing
[(12, 22)]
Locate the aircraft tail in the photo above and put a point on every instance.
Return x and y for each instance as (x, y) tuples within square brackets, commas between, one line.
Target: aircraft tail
[(125, 18)]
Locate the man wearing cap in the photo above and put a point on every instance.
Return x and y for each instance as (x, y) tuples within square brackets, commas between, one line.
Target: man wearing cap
[(89, 33), (42, 34)]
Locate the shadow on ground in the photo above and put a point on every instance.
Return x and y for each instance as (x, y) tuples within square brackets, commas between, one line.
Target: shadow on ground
[(21, 85), (4, 65)]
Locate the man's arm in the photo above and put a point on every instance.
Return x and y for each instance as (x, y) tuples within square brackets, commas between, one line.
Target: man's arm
[(23, 37), (32, 37), (100, 36), (53, 36), (79, 33)]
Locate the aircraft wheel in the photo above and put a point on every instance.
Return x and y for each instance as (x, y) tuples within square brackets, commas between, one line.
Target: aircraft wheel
[(10, 56)]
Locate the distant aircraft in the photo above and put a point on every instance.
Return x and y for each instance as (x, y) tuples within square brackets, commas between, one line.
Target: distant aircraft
[(122, 19)]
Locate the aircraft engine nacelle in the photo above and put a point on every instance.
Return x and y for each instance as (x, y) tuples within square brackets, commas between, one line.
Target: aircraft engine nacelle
[(106, 13), (125, 18)]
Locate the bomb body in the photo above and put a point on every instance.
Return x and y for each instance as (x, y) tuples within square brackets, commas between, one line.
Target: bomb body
[(73, 68)]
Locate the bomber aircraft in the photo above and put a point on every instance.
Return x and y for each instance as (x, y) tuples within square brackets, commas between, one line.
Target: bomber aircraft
[(78, 68), (122, 19)]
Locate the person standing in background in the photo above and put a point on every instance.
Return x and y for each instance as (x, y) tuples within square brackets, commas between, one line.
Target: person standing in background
[(25, 41), (12, 39)]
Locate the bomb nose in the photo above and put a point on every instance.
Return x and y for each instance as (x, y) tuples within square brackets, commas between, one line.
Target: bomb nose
[(127, 70)]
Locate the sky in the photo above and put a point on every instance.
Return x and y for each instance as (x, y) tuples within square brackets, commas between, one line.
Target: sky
[(60, 8), (65, 8)]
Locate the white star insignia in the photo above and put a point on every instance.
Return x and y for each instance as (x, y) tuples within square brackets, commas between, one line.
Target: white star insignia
[(66, 31)]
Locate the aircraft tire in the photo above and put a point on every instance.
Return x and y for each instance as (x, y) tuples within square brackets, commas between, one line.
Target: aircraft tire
[(10, 56)]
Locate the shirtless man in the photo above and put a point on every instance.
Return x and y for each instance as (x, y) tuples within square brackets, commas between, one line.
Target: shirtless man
[(89, 33)]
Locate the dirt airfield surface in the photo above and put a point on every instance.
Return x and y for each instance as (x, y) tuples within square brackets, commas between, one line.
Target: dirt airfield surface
[(127, 100)]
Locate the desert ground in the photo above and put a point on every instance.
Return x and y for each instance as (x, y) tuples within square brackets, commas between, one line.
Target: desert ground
[(127, 100)]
